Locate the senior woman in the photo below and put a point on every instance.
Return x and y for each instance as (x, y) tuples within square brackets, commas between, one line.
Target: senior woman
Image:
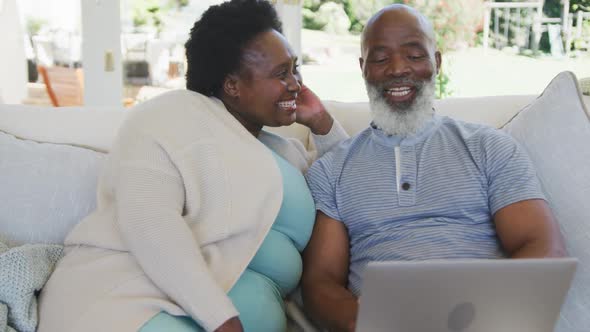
[(201, 214)]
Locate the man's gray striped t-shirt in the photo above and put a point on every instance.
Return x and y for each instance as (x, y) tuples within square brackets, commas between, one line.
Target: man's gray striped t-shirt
[(453, 177)]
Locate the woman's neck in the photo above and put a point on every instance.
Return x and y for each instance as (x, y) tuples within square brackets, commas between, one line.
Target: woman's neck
[(254, 129)]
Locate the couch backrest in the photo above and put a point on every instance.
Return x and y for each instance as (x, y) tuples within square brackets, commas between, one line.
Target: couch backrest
[(96, 127), (92, 127), (494, 111)]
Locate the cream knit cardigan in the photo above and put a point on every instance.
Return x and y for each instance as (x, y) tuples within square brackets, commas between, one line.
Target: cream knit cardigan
[(190, 194)]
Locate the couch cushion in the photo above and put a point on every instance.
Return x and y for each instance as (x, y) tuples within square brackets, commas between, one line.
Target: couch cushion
[(555, 131), (44, 188), (82, 126), (493, 111)]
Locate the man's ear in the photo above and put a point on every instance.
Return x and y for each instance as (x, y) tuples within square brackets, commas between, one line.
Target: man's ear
[(361, 62), (438, 59), (230, 85)]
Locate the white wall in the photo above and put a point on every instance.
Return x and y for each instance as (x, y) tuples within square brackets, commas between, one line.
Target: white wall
[(13, 64), (101, 33)]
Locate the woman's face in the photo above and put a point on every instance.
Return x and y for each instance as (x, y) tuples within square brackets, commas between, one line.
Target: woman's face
[(264, 91)]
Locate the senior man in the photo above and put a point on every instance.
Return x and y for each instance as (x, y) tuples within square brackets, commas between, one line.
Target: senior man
[(415, 185)]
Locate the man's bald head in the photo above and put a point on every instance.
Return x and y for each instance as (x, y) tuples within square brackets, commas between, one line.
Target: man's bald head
[(398, 12), (399, 62)]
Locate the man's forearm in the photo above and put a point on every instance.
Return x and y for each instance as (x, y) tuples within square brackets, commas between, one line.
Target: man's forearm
[(331, 305), (540, 249)]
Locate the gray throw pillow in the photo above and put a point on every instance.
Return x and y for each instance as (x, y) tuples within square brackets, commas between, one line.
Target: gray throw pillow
[(555, 131), (45, 189)]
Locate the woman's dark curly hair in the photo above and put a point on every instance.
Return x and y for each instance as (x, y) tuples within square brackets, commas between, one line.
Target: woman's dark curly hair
[(215, 46)]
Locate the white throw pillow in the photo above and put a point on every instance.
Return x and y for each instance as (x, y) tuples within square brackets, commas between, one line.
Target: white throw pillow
[(45, 189), (555, 131)]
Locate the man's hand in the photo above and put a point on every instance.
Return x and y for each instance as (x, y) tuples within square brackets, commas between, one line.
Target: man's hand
[(312, 113), (231, 325)]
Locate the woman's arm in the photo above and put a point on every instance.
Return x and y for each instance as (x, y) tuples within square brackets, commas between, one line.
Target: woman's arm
[(326, 131), (150, 201)]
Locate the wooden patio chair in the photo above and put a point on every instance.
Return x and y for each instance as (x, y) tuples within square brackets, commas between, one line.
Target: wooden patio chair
[(65, 86)]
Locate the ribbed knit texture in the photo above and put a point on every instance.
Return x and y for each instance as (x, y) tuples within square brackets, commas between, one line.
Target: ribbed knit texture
[(23, 271)]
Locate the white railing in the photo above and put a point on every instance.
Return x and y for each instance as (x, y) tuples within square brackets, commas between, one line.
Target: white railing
[(504, 9)]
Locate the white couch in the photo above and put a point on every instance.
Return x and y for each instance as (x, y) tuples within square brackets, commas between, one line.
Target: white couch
[(50, 159)]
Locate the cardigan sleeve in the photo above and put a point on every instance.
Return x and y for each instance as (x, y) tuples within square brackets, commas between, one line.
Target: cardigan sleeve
[(324, 143), (149, 205), (296, 153)]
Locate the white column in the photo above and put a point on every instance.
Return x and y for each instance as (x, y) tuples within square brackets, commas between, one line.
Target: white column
[(537, 26), (13, 64), (290, 13), (565, 14), (101, 53), (487, 15)]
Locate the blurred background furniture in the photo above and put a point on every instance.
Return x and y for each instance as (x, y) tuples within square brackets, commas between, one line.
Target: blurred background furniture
[(522, 23), (65, 86), (512, 23)]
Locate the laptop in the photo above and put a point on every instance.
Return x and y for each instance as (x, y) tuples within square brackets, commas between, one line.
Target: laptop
[(475, 295)]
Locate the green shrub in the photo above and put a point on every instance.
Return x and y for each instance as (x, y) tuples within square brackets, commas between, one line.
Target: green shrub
[(34, 24), (580, 5), (358, 12), (553, 8), (442, 85), (312, 21), (312, 5), (361, 10), (336, 19), (456, 22)]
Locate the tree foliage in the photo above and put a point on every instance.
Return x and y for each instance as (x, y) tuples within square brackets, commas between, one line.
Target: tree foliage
[(456, 22)]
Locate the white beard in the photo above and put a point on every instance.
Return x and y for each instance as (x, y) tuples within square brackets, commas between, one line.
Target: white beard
[(404, 121)]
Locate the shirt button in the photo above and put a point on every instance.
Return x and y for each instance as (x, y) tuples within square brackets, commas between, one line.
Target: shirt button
[(405, 186)]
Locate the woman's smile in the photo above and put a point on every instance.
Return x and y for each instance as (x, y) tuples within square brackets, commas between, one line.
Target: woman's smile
[(288, 105)]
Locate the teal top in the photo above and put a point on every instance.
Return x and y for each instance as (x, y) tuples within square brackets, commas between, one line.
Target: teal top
[(279, 256), (274, 271), (276, 268)]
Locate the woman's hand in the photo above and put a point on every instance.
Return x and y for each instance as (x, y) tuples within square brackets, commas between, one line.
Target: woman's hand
[(312, 113), (231, 325)]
